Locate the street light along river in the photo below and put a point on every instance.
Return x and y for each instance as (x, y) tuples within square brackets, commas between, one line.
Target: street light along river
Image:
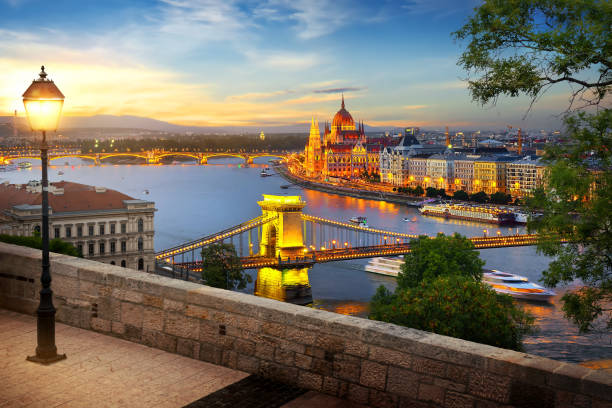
[(194, 201)]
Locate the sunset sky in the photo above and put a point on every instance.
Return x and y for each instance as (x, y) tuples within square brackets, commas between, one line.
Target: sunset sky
[(245, 63)]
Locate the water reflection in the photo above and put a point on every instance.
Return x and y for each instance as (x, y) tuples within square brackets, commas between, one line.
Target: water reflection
[(287, 285)]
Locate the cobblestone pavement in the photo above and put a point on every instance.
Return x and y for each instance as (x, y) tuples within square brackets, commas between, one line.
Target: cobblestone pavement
[(100, 371)]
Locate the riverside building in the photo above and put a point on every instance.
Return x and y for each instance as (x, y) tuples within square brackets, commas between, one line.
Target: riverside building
[(105, 225)]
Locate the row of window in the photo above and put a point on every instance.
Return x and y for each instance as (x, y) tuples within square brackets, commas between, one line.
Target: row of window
[(112, 247), (91, 229), (123, 263)]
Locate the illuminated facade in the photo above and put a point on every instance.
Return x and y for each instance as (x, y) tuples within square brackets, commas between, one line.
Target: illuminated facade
[(523, 176), (345, 151)]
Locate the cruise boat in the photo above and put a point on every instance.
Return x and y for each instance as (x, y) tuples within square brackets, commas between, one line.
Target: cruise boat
[(470, 212), (25, 165), (516, 286), (264, 173), (385, 266)]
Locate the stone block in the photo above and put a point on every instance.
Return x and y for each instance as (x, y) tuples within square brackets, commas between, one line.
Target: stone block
[(197, 312), (521, 366), (303, 361), (188, 348), (381, 399), (431, 393), (248, 323), (157, 339), (210, 353), (358, 394), (598, 384), (153, 301), (390, 357), (347, 370), (264, 351), (174, 305), (310, 381), (245, 347), (284, 357), (117, 327), (277, 372), (229, 358), (315, 352), (329, 343), (490, 386), (153, 319), (127, 295), (322, 367), (523, 394), (301, 336), (402, 382), (273, 329), (457, 373), (568, 377), (457, 400), (131, 314), (182, 326), (100, 325), (373, 375), (450, 385), (247, 363), (428, 366), (330, 386)]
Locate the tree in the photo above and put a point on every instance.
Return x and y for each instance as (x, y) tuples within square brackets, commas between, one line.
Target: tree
[(479, 197), (418, 191), (443, 255), (524, 47), (55, 245), (461, 195), (455, 306), (500, 198), (432, 192), (439, 289), (221, 267)]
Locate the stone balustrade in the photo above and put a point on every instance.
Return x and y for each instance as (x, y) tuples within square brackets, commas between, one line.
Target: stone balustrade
[(365, 361)]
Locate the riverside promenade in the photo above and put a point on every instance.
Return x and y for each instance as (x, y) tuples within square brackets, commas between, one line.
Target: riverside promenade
[(104, 371)]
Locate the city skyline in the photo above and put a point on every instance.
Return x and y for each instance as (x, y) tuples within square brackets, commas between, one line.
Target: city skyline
[(243, 63)]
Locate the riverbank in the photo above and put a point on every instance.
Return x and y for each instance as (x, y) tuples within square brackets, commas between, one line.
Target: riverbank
[(349, 191)]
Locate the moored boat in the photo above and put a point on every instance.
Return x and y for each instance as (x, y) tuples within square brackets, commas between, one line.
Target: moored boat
[(24, 165), (385, 266), (264, 173), (470, 212), (360, 221), (516, 286)]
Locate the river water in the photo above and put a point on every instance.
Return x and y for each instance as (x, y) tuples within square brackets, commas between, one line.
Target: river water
[(194, 201)]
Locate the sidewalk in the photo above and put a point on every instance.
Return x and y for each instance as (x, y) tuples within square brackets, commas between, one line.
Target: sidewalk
[(103, 371)]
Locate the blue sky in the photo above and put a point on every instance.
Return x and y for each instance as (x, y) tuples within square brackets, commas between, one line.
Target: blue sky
[(245, 63)]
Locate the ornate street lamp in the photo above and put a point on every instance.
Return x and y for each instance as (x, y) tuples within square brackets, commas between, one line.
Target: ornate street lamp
[(43, 103)]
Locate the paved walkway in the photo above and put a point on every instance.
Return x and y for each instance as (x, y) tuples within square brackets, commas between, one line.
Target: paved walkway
[(103, 371)]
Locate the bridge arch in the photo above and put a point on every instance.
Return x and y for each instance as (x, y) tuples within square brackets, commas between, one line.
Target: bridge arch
[(183, 154), (106, 156)]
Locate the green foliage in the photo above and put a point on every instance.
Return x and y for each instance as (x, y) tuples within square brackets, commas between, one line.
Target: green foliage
[(523, 46), (500, 198), (434, 192), (55, 245), (418, 191), (576, 204), (455, 306), (221, 267), (479, 197), (443, 255), (461, 195)]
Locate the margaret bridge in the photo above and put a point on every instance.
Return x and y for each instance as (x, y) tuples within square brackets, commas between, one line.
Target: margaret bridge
[(148, 157)]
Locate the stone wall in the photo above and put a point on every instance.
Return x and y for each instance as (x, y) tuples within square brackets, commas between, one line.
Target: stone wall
[(364, 361)]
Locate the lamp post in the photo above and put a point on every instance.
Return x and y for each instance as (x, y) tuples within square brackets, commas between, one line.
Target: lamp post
[(43, 103)]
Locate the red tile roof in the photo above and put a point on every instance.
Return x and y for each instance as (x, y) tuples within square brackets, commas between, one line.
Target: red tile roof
[(76, 197)]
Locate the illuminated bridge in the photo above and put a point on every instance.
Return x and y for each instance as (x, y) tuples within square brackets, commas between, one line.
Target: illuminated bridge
[(284, 237), (148, 157)]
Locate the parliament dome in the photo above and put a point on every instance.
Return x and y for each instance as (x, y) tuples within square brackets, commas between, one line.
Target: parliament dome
[(343, 119)]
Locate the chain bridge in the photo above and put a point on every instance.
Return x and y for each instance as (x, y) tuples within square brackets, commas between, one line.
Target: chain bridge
[(148, 157), (284, 241)]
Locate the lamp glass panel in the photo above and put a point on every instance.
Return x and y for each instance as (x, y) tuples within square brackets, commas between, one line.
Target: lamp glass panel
[(43, 114)]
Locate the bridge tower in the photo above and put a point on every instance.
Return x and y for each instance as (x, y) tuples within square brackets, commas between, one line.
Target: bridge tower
[(152, 158), (283, 236), (97, 159), (202, 159)]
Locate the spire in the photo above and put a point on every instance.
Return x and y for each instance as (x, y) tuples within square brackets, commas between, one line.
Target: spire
[(342, 100)]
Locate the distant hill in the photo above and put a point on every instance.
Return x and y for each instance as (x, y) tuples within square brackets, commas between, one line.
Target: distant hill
[(136, 122)]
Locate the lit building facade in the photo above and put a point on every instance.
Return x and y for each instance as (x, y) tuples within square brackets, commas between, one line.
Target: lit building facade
[(105, 225), (524, 176)]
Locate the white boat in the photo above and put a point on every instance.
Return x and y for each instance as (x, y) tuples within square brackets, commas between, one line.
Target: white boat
[(264, 173), (516, 286), (24, 165), (385, 266), (60, 173), (8, 167), (481, 213), (360, 221)]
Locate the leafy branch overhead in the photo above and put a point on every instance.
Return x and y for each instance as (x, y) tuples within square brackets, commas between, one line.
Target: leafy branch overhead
[(525, 46)]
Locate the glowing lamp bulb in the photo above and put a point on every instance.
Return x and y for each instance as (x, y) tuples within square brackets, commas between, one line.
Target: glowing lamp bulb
[(43, 103)]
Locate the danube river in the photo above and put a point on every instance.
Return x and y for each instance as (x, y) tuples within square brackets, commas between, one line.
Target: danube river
[(194, 201)]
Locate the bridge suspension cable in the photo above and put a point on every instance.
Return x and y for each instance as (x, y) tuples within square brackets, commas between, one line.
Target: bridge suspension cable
[(320, 220), (216, 237)]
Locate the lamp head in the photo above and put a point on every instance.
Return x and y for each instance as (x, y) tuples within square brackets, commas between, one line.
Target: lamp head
[(43, 103)]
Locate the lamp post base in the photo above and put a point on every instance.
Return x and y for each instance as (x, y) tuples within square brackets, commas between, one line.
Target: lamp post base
[(46, 360)]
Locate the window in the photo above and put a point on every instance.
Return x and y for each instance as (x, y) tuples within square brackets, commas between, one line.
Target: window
[(90, 248), (112, 228), (123, 246), (140, 264), (101, 228), (90, 230), (123, 228), (80, 248), (79, 231), (102, 249), (140, 244), (68, 232), (123, 263), (37, 229), (56, 232), (112, 262), (112, 247), (140, 225)]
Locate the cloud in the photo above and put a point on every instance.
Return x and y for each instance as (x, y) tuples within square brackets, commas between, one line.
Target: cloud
[(338, 90), (440, 8), (414, 107), (260, 95)]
